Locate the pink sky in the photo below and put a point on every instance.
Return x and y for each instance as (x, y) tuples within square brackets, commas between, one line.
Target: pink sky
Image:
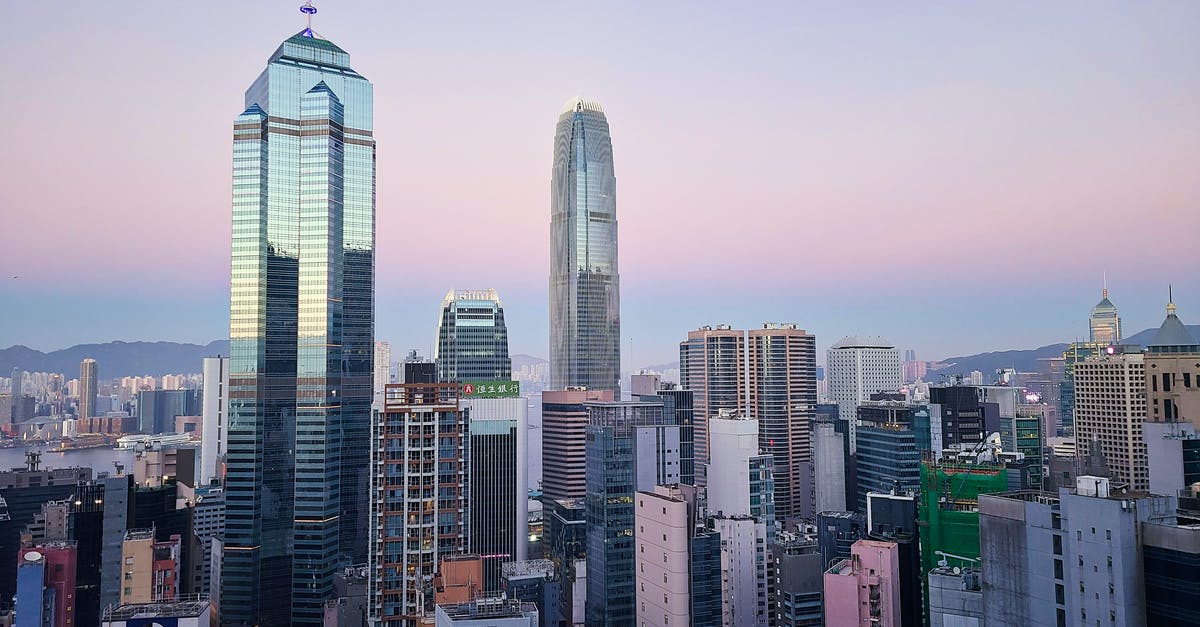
[(777, 158)]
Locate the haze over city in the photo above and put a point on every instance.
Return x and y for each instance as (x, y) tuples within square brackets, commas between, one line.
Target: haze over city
[(955, 178)]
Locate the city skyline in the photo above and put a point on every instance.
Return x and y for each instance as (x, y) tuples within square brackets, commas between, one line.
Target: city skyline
[(1113, 123)]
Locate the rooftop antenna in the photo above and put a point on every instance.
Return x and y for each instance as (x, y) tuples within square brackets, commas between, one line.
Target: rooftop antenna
[(1103, 274), (1170, 301), (308, 10)]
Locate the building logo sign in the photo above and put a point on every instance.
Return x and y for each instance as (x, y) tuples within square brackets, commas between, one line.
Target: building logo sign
[(491, 389)]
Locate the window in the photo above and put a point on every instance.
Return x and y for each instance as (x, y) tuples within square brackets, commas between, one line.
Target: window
[(1060, 594), (1108, 534)]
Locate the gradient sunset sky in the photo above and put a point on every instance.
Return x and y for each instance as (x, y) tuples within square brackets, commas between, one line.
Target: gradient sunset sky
[(953, 176)]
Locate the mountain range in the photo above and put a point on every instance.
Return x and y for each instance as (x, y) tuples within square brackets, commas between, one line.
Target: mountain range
[(120, 359)]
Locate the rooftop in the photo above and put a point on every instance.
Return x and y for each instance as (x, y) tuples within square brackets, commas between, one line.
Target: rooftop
[(191, 606), (528, 568), (579, 103), (497, 607), (863, 341)]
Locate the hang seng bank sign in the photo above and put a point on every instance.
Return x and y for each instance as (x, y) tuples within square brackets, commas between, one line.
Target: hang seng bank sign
[(491, 389)]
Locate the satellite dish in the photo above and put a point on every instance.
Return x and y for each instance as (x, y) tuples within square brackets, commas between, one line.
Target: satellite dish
[(957, 570), (33, 556)]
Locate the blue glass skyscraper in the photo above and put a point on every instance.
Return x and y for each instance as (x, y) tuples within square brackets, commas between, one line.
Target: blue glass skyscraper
[(301, 336), (585, 301)]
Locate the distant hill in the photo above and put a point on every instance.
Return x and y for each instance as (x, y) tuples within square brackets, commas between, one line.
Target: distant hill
[(1025, 360), (115, 359), (521, 360)]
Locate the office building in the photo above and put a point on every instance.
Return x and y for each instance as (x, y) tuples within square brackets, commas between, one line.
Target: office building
[(888, 456), (214, 409), (208, 523), (679, 409), (1068, 558), (381, 369), (1075, 353), (798, 590), (566, 545), (585, 294), (301, 334), (564, 452), (712, 364), (857, 367), (865, 588), (837, 532), (955, 597), (643, 384), (960, 418), (1172, 428), (1110, 407), (419, 497), (782, 396), (1104, 325), (743, 481), (536, 582), (190, 612), (892, 517), (743, 569), (629, 447), (158, 409), (499, 483), (487, 612), (1171, 568), (472, 341), (87, 388), (831, 470)]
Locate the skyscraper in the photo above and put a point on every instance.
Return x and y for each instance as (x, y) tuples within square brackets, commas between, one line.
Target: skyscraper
[(782, 386), (1110, 407), (712, 364), (472, 341), (382, 369), (1172, 427), (585, 301), (87, 388), (301, 336), (1104, 325), (857, 368), (499, 482), (214, 408)]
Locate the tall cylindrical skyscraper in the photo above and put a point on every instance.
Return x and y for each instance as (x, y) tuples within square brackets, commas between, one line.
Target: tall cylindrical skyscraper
[(585, 302)]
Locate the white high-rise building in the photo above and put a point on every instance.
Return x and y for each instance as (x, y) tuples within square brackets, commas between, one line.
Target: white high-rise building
[(743, 570), (382, 373), (857, 367), (214, 410)]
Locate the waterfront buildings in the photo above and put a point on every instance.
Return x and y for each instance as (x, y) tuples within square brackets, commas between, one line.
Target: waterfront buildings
[(301, 334), (472, 341), (87, 388), (585, 301), (419, 497), (856, 367)]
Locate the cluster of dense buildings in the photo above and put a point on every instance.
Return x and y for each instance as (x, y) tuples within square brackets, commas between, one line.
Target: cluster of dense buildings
[(317, 488)]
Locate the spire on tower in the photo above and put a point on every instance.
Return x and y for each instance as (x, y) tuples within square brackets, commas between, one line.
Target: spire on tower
[(1105, 279), (1170, 301), (308, 10)]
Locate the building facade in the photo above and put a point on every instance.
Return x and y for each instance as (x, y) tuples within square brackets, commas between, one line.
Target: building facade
[(301, 334), (564, 450), (864, 589), (214, 412), (585, 296), (857, 367), (1110, 407), (472, 341), (87, 388), (712, 365), (1104, 325), (420, 466), (499, 483), (1172, 428)]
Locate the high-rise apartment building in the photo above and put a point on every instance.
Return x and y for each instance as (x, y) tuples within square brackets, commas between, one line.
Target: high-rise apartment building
[(743, 570), (472, 341), (585, 300), (381, 369), (1172, 427), (782, 396), (564, 441), (1110, 407), (1104, 325), (151, 569), (214, 412), (499, 483), (87, 388), (856, 368), (301, 334), (712, 364), (419, 497)]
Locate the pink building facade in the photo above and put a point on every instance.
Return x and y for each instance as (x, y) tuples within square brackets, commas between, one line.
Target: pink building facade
[(865, 589)]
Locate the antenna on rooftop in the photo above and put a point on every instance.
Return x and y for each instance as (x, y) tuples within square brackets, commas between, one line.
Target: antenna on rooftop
[(308, 10)]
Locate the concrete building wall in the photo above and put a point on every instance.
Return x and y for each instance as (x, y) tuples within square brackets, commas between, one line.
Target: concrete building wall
[(829, 469), (743, 571), (955, 598), (214, 411), (865, 589), (733, 440), (661, 533)]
